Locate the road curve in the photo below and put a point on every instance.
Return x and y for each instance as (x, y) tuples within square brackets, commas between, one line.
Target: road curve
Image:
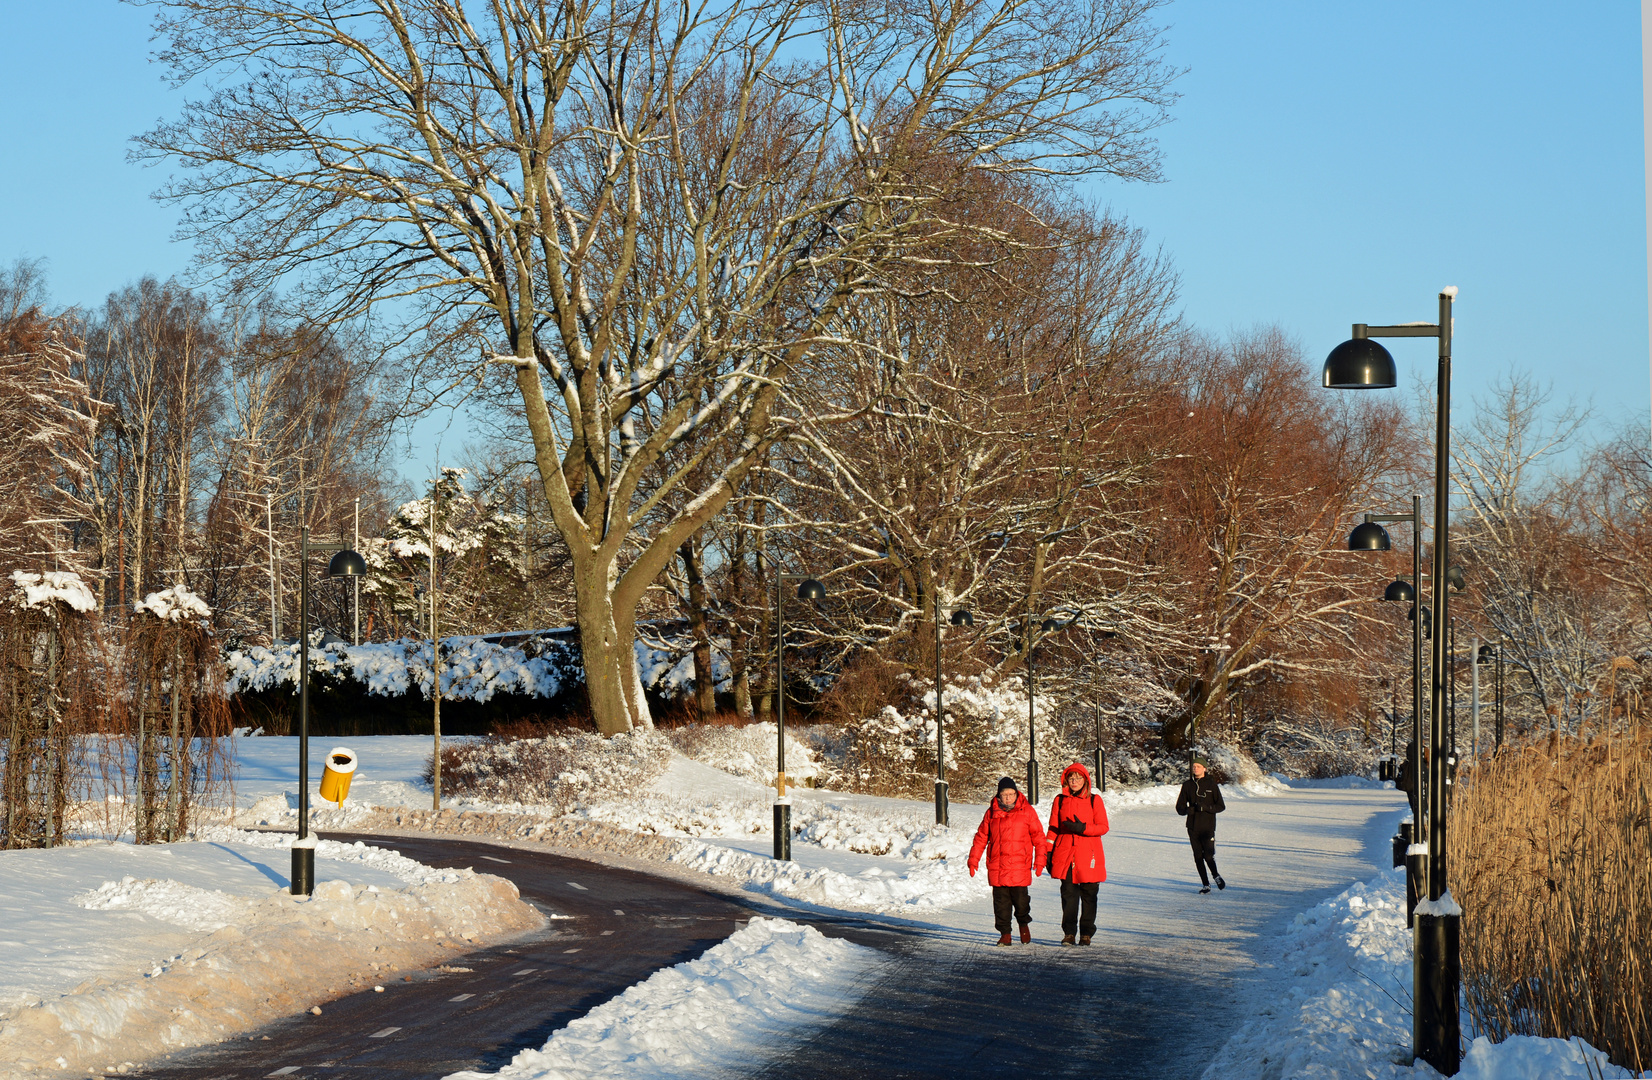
[(625, 926)]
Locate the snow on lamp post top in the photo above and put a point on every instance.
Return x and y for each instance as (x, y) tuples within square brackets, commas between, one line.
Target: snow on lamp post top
[(51, 588), (174, 604)]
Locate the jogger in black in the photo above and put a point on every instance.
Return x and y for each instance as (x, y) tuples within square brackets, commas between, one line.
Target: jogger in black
[(1200, 801)]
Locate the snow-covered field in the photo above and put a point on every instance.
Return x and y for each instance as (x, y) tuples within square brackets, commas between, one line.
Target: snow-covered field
[(1312, 921), (110, 948)]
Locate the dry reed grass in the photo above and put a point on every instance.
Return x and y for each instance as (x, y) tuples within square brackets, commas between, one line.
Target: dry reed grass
[(1551, 855)]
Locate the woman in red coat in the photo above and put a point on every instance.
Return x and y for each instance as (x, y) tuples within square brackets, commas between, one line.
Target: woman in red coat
[(1015, 847), (1078, 820)]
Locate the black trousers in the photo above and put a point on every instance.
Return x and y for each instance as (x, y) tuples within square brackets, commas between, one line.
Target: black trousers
[(1006, 897), (1204, 851), (1072, 894)]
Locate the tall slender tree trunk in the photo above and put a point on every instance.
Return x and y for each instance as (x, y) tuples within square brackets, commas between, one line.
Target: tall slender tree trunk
[(705, 679), (739, 641)]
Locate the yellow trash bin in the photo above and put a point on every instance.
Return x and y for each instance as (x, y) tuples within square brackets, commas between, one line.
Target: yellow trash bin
[(335, 779)]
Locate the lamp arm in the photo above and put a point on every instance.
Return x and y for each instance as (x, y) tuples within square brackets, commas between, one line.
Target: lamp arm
[(1361, 330)]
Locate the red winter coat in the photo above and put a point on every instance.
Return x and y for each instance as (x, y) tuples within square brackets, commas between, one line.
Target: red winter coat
[(1081, 853), (1014, 843)]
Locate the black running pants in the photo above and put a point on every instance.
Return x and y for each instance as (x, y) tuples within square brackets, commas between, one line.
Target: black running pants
[(1204, 851)]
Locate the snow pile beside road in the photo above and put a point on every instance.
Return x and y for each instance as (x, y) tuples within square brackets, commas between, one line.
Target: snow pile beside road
[(169, 901), (913, 887), (732, 1006), (1348, 1010), (174, 964), (391, 862)]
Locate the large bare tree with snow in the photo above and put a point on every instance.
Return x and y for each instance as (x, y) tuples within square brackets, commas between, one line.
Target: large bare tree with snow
[(653, 216)]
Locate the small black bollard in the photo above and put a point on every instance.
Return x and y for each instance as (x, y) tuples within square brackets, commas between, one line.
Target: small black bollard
[(303, 868), (1435, 979), (783, 831)]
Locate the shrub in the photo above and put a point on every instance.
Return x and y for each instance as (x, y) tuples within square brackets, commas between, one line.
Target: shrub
[(1549, 849), (556, 770)]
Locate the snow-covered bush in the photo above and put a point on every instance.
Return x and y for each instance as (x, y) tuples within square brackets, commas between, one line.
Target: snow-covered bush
[(557, 771), (748, 751), (892, 752)]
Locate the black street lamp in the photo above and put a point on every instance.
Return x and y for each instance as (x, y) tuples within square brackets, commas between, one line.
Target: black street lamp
[(348, 564), (1046, 627), (1362, 364), (1493, 654), (808, 589), (960, 617), (1371, 536)]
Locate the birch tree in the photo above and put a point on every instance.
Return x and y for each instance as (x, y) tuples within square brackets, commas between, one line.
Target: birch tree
[(607, 197)]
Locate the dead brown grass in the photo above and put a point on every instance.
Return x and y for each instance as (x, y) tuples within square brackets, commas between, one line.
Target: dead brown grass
[(1551, 849)]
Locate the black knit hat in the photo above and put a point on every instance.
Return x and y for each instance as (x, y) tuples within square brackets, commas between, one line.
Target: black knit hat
[(1006, 782)]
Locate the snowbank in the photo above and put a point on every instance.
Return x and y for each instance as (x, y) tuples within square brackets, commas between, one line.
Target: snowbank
[(199, 941), (1347, 1010), (723, 1011)]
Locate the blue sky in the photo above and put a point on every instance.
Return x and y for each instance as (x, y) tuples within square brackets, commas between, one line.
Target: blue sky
[(1329, 162)]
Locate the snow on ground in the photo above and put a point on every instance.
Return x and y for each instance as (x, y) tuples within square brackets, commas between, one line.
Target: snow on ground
[(729, 1008), (110, 947), (1346, 1009), (1309, 932)]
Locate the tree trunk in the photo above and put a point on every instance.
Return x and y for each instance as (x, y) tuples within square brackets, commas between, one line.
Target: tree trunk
[(738, 639), (705, 679), (607, 644)]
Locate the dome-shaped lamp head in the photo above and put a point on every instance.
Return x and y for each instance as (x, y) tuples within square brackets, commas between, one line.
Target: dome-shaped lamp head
[(1049, 626), (961, 617), (1369, 537), (347, 563), (1360, 364), (1486, 655), (1428, 620), (1399, 589), (1454, 578), (810, 589)]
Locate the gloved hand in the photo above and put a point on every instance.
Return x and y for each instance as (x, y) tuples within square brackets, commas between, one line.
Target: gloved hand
[(972, 870), (1072, 826)]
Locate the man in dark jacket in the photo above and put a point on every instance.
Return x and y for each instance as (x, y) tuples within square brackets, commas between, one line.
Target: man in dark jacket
[(1200, 801), (1408, 776)]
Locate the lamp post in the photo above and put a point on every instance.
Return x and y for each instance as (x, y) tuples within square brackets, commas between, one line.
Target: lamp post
[(1047, 626), (1371, 536), (809, 589), (960, 617), (1362, 364), (345, 563)]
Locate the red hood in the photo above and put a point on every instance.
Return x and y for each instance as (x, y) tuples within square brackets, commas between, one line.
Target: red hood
[(1075, 767)]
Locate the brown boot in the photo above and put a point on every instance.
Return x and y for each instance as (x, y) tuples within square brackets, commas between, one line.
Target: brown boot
[(1004, 939), (1085, 940), (1066, 939), (1026, 933)]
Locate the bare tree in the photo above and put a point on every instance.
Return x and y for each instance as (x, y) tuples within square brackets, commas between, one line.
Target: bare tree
[(1256, 506), (608, 195), (1523, 549)]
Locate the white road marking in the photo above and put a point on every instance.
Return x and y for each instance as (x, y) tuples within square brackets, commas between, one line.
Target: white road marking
[(617, 911), (382, 1032), (578, 886), (524, 971), (605, 933), (462, 997), (285, 1070), (490, 858), (566, 951)]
